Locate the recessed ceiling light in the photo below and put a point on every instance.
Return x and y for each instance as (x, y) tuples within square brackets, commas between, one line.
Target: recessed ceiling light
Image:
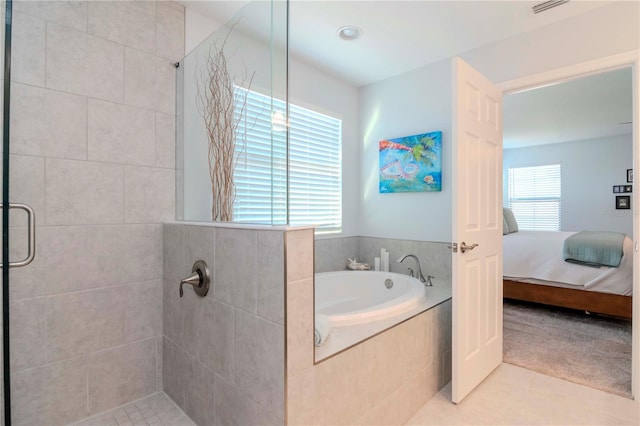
[(349, 32)]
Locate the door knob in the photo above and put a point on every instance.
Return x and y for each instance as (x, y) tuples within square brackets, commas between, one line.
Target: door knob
[(464, 247), (199, 279)]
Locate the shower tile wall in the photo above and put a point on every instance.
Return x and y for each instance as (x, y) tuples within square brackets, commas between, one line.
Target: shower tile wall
[(92, 148), (332, 254), (223, 354)]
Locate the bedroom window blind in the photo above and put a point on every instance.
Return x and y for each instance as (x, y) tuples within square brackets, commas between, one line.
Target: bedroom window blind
[(535, 197), (315, 165)]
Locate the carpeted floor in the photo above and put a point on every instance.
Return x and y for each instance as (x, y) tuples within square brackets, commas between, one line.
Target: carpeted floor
[(587, 349)]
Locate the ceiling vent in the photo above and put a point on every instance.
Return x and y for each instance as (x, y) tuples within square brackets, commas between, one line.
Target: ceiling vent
[(548, 5)]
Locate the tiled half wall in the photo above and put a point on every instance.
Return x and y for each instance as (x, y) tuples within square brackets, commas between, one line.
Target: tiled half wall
[(223, 354), (383, 380)]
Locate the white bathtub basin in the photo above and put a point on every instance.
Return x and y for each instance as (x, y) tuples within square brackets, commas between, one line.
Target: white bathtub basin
[(357, 297)]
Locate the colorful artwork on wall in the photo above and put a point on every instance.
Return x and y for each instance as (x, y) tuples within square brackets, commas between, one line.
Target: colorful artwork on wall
[(411, 163)]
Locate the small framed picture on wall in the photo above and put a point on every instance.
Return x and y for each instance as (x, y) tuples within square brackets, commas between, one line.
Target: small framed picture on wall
[(629, 175), (622, 188), (623, 202)]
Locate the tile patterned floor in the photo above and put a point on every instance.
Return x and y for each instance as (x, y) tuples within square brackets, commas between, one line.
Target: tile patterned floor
[(516, 396), (509, 396), (155, 410)]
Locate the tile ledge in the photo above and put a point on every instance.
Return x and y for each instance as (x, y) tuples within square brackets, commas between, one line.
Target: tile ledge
[(235, 225)]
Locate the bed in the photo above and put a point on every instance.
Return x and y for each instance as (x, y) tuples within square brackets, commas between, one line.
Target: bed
[(534, 271)]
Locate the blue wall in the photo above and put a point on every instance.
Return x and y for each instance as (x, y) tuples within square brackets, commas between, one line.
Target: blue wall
[(590, 168)]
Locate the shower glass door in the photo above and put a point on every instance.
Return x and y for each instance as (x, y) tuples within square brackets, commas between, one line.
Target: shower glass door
[(6, 413), (92, 150), (18, 218)]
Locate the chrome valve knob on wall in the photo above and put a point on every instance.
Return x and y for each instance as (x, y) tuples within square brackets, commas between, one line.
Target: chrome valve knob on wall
[(199, 279)]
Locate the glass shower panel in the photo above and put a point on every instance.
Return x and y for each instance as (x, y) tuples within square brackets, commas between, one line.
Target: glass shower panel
[(232, 124), (280, 116), (3, 5)]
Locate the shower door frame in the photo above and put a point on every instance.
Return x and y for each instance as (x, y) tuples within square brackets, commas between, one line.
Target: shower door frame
[(5, 214)]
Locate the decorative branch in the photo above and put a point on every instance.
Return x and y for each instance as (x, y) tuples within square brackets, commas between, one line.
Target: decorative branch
[(222, 106)]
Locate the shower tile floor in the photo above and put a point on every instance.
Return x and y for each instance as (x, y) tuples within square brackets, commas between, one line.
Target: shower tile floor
[(155, 410)]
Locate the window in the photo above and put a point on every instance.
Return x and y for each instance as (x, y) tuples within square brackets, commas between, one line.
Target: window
[(534, 197), (315, 175)]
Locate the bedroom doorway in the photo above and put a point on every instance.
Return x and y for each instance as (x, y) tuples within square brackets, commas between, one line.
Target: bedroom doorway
[(570, 141)]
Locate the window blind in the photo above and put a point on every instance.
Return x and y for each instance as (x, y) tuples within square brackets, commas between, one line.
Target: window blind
[(535, 196), (315, 166)]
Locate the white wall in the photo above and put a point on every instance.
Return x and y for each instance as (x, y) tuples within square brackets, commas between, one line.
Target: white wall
[(421, 101), (197, 28), (412, 103), (590, 168)]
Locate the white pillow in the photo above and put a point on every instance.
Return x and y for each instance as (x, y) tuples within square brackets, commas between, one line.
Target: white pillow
[(510, 219)]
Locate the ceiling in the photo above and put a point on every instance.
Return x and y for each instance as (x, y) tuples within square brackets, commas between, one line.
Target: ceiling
[(397, 36), (400, 36), (586, 108)]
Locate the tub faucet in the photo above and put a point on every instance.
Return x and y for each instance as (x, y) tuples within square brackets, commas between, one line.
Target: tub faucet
[(420, 276)]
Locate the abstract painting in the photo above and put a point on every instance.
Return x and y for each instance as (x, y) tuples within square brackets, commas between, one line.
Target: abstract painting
[(411, 163)]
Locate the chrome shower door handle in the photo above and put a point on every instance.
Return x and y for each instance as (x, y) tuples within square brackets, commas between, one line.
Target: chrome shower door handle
[(464, 247), (31, 230)]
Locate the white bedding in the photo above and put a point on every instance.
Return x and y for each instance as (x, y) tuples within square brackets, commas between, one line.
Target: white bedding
[(536, 257)]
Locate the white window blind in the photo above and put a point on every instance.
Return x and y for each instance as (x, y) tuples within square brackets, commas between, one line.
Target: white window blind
[(315, 178), (535, 196)]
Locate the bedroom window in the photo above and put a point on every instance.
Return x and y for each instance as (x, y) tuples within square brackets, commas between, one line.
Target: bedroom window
[(315, 165), (534, 197)]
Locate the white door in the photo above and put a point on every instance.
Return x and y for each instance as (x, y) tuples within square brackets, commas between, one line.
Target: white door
[(477, 214)]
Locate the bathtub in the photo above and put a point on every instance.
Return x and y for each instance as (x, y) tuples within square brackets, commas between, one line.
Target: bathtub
[(357, 297)]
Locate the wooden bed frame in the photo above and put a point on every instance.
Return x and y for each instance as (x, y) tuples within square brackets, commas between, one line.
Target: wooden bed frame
[(591, 301)]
